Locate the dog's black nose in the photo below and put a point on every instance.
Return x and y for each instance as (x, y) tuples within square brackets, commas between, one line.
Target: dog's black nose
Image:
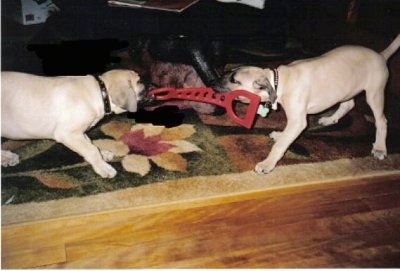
[(147, 100)]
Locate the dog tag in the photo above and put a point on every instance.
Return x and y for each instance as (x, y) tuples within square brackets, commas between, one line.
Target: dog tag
[(262, 111)]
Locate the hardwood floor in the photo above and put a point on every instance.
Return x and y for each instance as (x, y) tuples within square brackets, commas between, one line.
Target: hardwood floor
[(354, 223)]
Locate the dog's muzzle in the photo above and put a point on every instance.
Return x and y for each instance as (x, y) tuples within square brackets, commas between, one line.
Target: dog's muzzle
[(147, 100)]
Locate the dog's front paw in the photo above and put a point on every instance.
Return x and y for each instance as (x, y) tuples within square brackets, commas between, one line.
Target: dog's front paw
[(9, 159), (107, 155), (105, 170), (263, 168), (327, 121), (380, 155)]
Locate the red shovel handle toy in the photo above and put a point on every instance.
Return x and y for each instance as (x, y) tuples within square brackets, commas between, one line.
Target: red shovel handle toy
[(208, 95)]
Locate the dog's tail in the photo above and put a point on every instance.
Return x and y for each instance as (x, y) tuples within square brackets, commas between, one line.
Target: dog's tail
[(392, 48)]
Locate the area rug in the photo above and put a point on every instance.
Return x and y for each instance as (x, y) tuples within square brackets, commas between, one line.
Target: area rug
[(184, 156)]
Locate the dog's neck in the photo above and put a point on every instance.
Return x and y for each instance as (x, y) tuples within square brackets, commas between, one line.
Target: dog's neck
[(104, 95)]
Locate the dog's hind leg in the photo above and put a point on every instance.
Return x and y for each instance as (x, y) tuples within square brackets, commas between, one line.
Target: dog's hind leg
[(343, 109), (376, 101), (9, 158)]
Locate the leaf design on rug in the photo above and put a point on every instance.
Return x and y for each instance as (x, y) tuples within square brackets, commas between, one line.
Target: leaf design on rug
[(148, 142), (54, 180), (183, 146), (178, 132), (116, 147), (12, 145), (136, 163), (115, 128), (150, 145), (170, 161)]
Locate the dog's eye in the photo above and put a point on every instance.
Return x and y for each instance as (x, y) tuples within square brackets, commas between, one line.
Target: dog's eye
[(262, 87), (232, 79)]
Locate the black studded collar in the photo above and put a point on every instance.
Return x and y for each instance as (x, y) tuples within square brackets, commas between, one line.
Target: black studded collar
[(104, 95)]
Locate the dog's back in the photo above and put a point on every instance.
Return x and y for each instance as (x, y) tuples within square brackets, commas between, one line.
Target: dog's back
[(31, 104)]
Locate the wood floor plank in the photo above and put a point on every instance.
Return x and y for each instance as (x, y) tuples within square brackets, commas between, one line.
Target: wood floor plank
[(303, 242), (34, 257), (343, 224)]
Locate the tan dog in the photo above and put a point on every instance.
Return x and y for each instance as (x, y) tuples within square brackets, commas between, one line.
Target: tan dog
[(63, 108), (313, 85)]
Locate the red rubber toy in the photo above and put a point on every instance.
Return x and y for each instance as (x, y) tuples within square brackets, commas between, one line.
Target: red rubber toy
[(208, 95)]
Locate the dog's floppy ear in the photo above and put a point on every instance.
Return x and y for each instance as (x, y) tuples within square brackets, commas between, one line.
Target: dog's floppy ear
[(125, 97), (263, 84), (131, 101)]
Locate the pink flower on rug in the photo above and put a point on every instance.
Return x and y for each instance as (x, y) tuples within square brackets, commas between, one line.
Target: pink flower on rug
[(139, 144)]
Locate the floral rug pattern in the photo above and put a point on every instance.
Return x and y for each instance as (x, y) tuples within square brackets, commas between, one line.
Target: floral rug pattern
[(143, 154), (141, 143)]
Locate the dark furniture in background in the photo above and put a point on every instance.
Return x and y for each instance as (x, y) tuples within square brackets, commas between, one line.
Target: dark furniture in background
[(85, 32), (80, 39)]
